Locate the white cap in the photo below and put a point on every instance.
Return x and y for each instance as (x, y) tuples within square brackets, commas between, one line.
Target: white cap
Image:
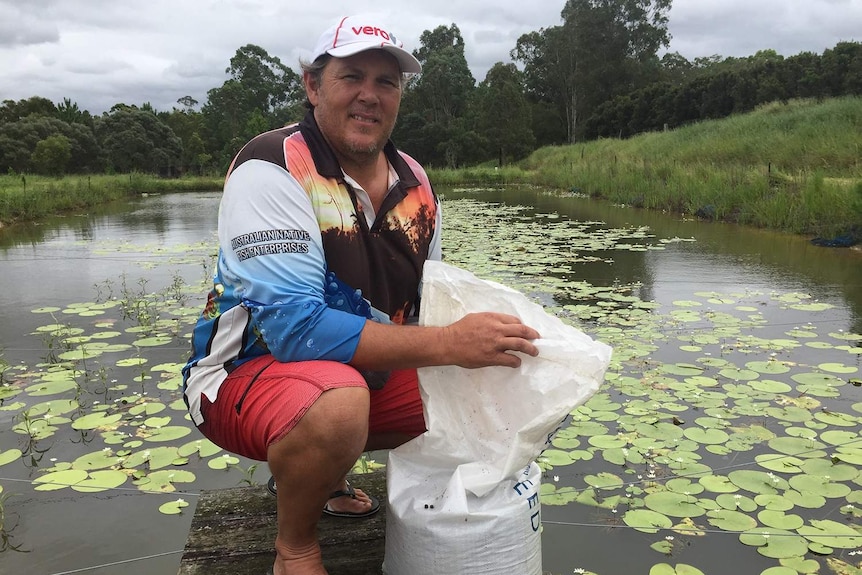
[(355, 34)]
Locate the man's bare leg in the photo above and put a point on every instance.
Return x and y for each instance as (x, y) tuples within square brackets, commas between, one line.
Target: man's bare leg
[(310, 463)]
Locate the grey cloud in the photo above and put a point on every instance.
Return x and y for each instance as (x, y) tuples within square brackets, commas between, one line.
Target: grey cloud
[(20, 29)]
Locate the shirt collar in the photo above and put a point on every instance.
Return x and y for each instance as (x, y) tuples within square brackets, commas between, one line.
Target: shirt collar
[(327, 164)]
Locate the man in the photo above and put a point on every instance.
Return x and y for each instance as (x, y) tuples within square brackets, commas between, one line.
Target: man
[(323, 230)]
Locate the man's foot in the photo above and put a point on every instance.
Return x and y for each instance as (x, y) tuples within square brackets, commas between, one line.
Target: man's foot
[(350, 502), (346, 502)]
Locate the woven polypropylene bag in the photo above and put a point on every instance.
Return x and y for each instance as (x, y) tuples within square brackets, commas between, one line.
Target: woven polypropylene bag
[(473, 467)]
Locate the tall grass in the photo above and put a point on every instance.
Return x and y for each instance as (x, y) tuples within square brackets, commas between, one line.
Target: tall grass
[(28, 197), (795, 167)]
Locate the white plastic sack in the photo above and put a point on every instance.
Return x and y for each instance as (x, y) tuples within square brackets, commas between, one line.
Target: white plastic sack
[(463, 497)]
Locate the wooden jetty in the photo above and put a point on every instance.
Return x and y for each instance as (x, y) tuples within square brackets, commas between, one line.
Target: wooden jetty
[(233, 532)]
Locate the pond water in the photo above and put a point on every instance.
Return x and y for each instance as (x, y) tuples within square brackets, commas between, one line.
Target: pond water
[(732, 404)]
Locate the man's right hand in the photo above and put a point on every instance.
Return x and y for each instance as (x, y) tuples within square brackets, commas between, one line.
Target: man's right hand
[(476, 340)]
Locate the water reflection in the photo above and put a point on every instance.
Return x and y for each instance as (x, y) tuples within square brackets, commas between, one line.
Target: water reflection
[(724, 256)]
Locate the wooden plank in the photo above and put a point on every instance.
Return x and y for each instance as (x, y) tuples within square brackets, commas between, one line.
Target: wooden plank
[(233, 533)]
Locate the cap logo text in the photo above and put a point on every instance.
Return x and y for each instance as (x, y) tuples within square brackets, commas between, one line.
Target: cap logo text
[(372, 31)]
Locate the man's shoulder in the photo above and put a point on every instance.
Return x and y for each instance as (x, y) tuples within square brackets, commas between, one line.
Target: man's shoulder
[(268, 146), (415, 170)]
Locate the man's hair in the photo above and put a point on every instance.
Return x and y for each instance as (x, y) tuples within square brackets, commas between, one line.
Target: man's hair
[(315, 70)]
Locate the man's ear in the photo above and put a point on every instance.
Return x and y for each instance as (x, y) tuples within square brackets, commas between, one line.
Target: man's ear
[(311, 87)]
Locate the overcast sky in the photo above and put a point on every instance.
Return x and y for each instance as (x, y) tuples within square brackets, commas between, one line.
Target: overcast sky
[(101, 52)]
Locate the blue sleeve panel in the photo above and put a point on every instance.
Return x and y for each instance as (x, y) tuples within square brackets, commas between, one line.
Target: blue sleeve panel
[(315, 331), (308, 331)]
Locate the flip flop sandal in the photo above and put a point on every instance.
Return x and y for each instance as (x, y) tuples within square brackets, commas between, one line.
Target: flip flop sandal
[(348, 491)]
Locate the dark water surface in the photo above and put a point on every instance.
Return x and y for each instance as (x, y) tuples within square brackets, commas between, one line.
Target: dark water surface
[(155, 242)]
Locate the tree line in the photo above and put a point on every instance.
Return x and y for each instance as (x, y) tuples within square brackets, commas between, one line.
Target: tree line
[(596, 74)]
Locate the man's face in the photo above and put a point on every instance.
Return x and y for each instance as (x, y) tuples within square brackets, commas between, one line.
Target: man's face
[(356, 103)]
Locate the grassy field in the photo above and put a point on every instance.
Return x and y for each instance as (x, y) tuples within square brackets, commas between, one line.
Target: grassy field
[(28, 197), (795, 167)]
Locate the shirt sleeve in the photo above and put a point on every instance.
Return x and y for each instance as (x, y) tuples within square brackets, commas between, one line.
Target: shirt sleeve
[(273, 258)]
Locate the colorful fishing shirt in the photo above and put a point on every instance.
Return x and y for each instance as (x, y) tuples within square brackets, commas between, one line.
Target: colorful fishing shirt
[(297, 239)]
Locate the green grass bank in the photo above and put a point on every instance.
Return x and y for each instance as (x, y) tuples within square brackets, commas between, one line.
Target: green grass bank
[(795, 167), (28, 197)]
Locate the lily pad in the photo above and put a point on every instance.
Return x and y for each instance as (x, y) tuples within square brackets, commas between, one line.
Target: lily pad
[(731, 520), (800, 565), (831, 533), (101, 459), (101, 480), (168, 433), (604, 481), (757, 482), (203, 447), (163, 481), (775, 543), (780, 519), (59, 479), (222, 462), (840, 438), (818, 485), (772, 367), (173, 507), (51, 387), (9, 456), (736, 501), (808, 499), (780, 463), (96, 421), (774, 502), (673, 504), (646, 521), (679, 569), (797, 446), (706, 436)]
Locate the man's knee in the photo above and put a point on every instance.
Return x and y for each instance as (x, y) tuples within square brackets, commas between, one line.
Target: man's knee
[(336, 422)]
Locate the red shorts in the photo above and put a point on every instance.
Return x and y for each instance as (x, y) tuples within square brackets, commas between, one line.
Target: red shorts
[(263, 399)]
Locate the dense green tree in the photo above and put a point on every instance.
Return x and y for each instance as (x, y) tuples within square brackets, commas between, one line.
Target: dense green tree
[(437, 99), (51, 156), (802, 75), (842, 69), (188, 103), (260, 86), (14, 153), (135, 140), (443, 88), (189, 125), (413, 135), (12, 111), (69, 112), (604, 48), (549, 128), (502, 114), (675, 68), (195, 155), (716, 88), (549, 68), (18, 142)]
